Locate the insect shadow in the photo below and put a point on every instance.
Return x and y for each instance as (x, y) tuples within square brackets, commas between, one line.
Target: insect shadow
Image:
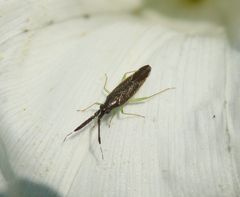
[(118, 97)]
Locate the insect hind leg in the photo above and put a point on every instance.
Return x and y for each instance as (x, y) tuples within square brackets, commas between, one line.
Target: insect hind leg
[(123, 78), (125, 74), (105, 84), (142, 99)]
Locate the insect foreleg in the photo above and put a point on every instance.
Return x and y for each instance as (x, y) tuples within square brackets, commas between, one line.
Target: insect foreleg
[(142, 99), (89, 106), (125, 113), (113, 113)]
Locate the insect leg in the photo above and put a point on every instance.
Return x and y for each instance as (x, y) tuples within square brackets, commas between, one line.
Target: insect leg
[(89, 106), (105, 84), (142, 99), (113, 114), (125, 75), (131, 114)]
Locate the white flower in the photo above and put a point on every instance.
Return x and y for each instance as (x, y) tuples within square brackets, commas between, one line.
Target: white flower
[(53, 58)]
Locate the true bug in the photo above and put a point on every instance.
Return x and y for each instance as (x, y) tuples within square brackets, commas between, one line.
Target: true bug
[(121, 95)]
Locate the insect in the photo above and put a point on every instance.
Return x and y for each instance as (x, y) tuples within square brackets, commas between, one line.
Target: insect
[(121, 95)]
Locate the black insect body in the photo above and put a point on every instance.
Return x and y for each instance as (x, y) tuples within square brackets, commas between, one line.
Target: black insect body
[(126, 89), (119, 96)]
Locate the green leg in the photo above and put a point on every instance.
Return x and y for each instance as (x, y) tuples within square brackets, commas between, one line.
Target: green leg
[(131, 114), (113, 114), (125, 75), (105, 84), (142, 99), (105, 89), (106, 79), (90, 106), (115, 111)]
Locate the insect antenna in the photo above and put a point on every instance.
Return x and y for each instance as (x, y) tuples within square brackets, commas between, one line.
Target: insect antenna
[(83, 124), (99, 134)]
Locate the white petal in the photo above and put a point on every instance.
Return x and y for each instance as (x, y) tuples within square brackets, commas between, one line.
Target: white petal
[(186, 146), (224, 12), (7, 173)]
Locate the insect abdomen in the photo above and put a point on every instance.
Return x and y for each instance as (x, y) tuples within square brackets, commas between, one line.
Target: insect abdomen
[(127, 88)]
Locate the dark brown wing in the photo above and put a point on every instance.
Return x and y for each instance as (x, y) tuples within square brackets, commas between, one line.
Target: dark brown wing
[(127, 88)]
